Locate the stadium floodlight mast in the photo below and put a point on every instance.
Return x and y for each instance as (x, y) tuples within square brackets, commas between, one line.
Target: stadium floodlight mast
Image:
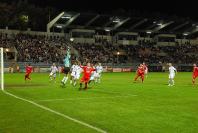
[(2, 69)]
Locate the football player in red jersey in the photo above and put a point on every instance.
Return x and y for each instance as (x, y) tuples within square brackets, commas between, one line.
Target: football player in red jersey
[(140, 73), (87, 71), (28, 71), (195, 73)]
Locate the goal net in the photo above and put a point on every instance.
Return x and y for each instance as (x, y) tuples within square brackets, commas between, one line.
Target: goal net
[(1, 69)]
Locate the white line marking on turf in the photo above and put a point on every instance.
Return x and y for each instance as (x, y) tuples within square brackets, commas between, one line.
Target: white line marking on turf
[(68, 99), (99, 90), (57, 113)]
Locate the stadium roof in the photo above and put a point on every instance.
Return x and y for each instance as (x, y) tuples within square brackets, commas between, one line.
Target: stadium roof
[(75, 20)]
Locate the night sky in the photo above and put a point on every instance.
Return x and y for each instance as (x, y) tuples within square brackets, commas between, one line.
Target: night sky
[(181, 8)]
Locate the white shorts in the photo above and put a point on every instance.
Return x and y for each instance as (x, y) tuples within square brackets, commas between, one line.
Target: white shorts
[(96, 75), (73, 74), (52, 74), (92, 77), (171, 76), (146, 71), (77, 76)]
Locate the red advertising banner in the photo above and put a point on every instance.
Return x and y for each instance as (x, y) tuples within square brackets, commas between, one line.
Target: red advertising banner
[(117, 69), (126, 69)]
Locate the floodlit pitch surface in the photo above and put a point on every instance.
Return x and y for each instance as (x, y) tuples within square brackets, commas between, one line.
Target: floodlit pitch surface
[(117, 105)]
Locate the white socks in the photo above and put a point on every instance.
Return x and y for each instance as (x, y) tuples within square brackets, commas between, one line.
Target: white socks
[(65, 80), (74, 83), (171, 82)]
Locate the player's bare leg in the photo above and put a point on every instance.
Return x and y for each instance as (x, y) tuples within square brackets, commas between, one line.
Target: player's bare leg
[(85, 86), (142, 77), (27, 76), (193, 81), (64, 80), (54, 78), (71, 79), (99, 79), (170, 82), (80, 86), (50, 77), (75, 82), (173, 82), (136, 77)]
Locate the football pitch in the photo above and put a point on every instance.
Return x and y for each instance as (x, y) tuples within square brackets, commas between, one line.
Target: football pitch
[(116, 105)]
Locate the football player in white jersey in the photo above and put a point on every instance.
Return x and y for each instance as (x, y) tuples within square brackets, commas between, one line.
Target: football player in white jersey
[(98, 73), (172, 71), (53, 72), (78, 71), (93, 75), (73, 72)]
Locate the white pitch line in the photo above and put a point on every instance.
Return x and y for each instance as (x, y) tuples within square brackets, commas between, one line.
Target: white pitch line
[(51, 100), (99, 90), (68, 99), (57, 113)]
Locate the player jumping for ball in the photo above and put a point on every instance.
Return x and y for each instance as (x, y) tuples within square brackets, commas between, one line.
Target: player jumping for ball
[(195, 73), (66, 69)]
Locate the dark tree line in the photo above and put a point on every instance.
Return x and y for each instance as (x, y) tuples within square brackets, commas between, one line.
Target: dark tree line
[(22, 15)]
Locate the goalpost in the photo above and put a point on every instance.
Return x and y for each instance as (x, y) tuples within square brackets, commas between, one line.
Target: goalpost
[(2, 69)]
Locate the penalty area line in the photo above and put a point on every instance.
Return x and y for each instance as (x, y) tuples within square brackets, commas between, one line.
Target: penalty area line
[(74, 99), (57, 113)]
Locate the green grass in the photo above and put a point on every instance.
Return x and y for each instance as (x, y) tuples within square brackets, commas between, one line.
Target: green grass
[(117, 105)]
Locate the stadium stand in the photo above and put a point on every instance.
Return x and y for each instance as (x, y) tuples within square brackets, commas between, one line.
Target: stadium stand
[(41, 49)]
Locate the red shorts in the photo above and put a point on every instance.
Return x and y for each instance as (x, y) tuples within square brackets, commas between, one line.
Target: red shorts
[(27, 73), (140, 74), (85, 79)]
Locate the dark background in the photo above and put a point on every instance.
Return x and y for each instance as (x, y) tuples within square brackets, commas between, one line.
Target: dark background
[(181, 8)]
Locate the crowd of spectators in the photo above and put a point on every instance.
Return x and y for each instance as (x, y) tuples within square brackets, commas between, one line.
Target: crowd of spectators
[(47, 50), (94, 53), (39, 49), (150, 52), (35, 48), (5, 42)]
